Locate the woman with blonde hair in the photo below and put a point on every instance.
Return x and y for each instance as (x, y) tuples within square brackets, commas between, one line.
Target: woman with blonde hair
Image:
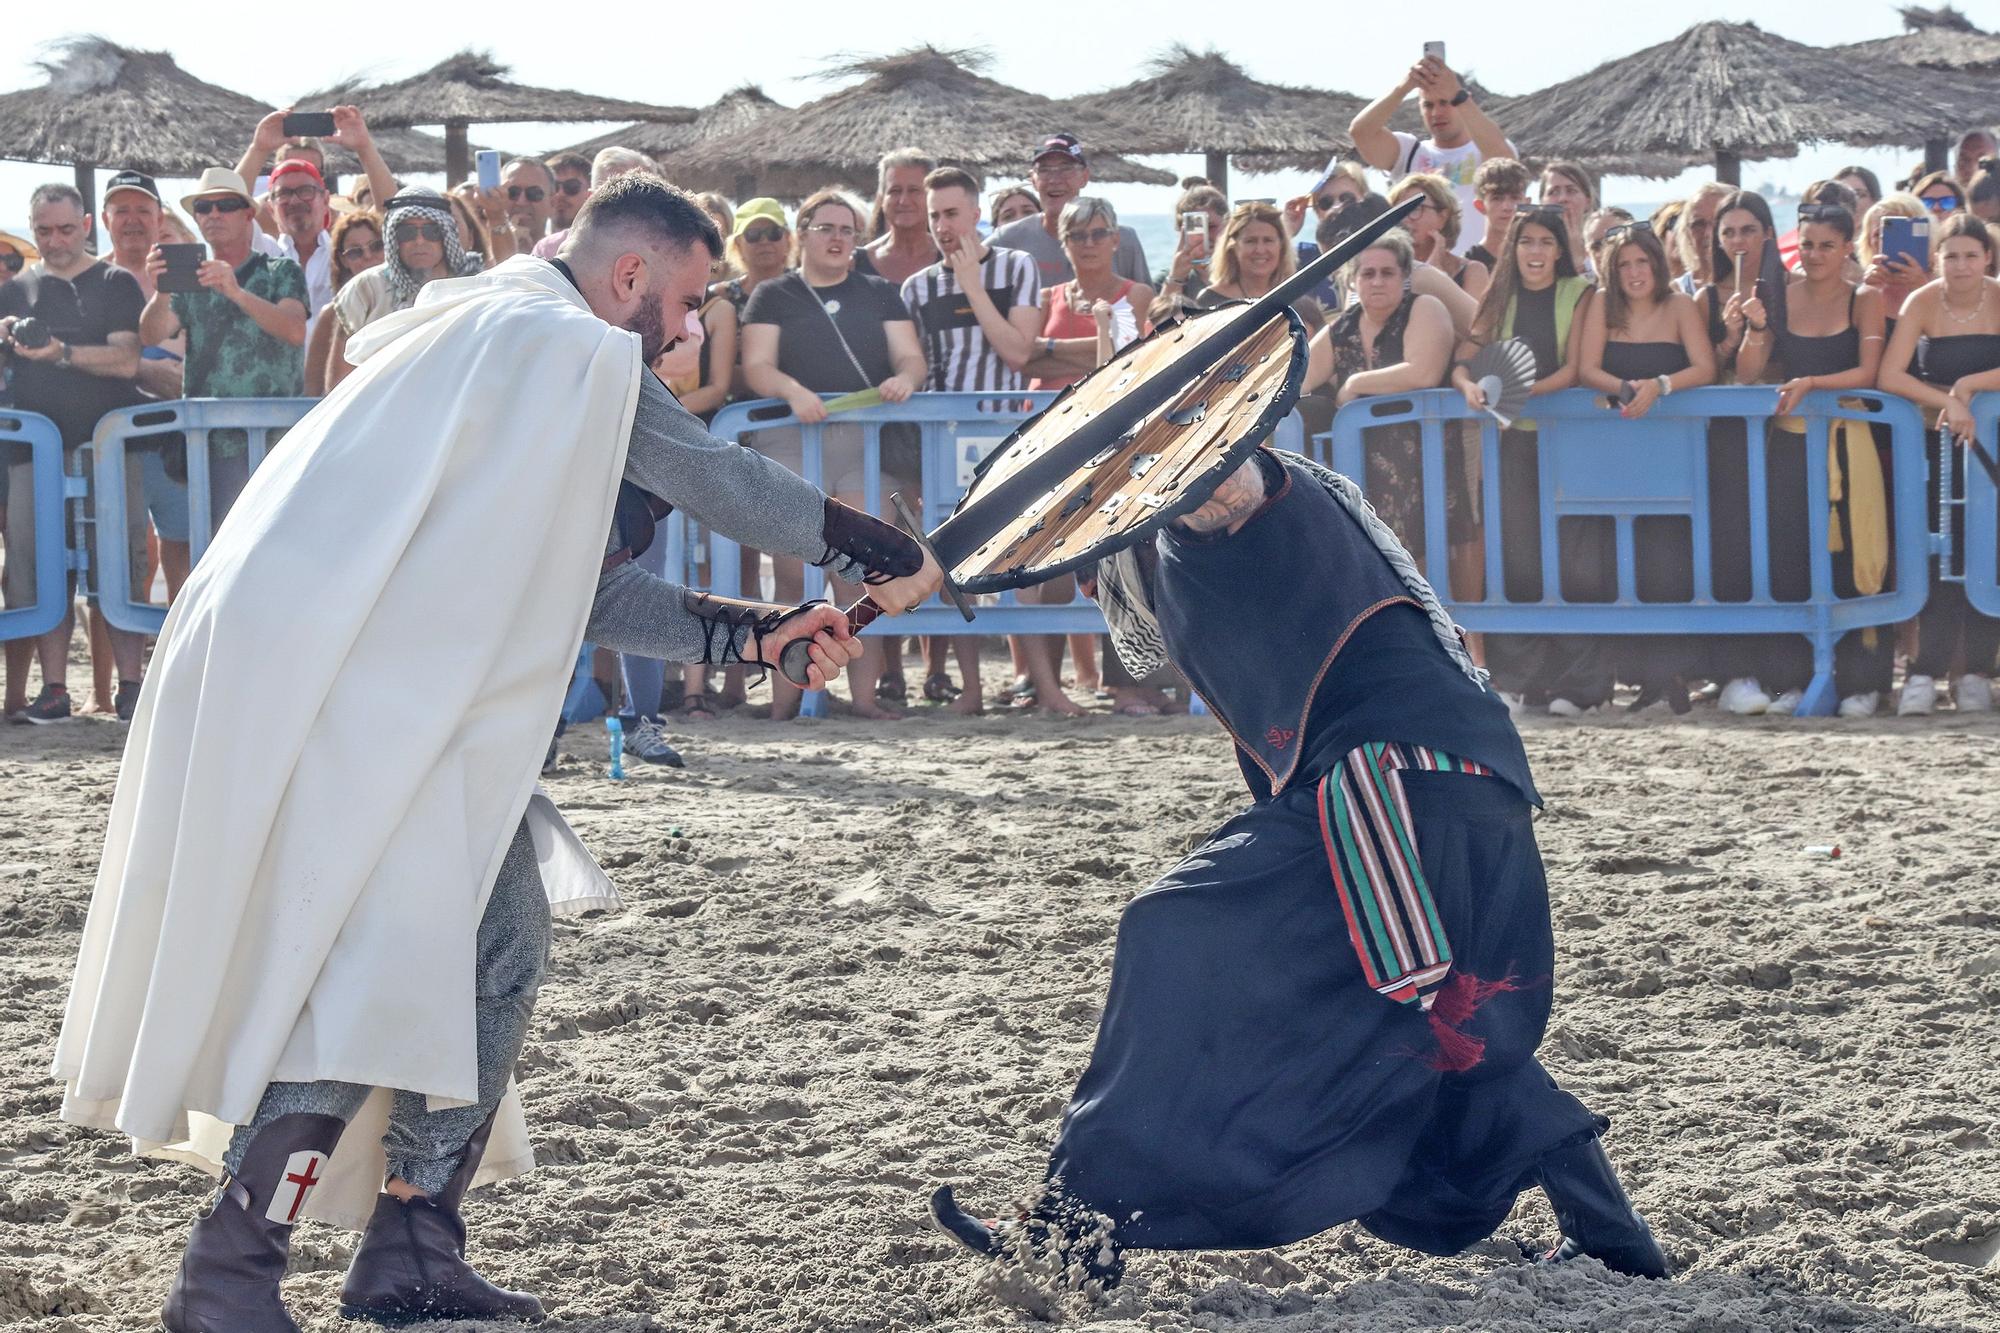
[(1895, 276), (1434, 227), (1254, 256), (1695, 236)]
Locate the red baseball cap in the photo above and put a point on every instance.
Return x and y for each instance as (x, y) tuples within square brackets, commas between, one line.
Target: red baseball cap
[(297, 166)]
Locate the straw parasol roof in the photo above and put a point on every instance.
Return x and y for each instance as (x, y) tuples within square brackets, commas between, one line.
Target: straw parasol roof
[(921, 96), (471, 88), (1738, 92), (1939, 38), (737, 109), (111, 106), (1202, 102)]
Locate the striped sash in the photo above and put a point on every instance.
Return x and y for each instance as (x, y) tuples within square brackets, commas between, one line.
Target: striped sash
[(1372, 847)]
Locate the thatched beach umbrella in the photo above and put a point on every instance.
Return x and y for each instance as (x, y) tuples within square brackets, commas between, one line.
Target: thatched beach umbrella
[(1940, 39), (934, 99), (1738, 92), (737, 109), (111, 106), (471, 88), (1201, 102)]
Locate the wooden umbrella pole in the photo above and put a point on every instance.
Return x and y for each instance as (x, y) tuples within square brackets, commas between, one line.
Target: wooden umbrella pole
[(1728, 167), (1218, 171), (86, 185), (457, 153)]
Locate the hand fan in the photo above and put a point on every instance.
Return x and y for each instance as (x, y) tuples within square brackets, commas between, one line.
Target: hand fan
[(1506, 372)]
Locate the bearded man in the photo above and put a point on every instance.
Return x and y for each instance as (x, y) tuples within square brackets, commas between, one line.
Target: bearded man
[(1329, 1011), (323, 911)]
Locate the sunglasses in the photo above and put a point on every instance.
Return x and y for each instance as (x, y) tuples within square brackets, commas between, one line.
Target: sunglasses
[(1326, 203), (824, 229), (420, 231), (1096, 235), (533, 193), (764, 235), (354, 254), (1941, 203), (1823, 213), (296, 194), (201, 208), (11, 260), (1624, 229), (573, 186)]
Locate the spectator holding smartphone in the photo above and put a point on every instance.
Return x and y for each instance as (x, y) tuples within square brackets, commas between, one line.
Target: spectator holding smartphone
[(298, 196), (1462, 136), (246, 326), (1896, 275), (1200, 214), (78, 360)]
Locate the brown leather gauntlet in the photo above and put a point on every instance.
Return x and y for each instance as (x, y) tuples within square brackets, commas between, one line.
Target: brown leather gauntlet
[(882, 549)]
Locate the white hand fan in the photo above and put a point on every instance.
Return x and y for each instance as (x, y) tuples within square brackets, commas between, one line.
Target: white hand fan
[(1505, 371)]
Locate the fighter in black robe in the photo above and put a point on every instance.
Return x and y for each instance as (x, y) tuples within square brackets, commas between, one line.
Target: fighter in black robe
[(1329, 1011)]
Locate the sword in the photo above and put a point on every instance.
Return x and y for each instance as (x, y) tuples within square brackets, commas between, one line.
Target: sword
[(988, 514)]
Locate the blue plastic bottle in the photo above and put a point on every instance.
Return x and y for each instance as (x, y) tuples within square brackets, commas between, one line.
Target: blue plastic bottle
[(617, 730)]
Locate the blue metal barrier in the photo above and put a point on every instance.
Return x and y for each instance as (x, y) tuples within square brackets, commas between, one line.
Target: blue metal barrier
[(30, 437), (1595, 463), (1981, 529), (127, 434)]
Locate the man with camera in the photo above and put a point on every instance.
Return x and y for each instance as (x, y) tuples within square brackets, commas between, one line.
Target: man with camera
[(244, 314), (298, 189), (70, 326)]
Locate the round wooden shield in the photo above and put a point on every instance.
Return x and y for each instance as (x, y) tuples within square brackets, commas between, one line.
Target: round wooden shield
[(1166, 466)]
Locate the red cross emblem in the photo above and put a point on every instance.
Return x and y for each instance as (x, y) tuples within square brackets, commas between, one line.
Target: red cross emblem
[(1279, 737), (301, 1174)]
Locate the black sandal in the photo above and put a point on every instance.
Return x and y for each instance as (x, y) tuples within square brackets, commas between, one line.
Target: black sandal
[(939, 689), (697, 707)]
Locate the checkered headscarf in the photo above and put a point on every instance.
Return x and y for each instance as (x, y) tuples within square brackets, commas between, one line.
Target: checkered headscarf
[(423, 206)]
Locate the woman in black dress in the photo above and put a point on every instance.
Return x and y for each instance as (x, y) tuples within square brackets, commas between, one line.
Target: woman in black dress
[(1952, 328), (1828, 337), (1391, 340), (1642, 341)]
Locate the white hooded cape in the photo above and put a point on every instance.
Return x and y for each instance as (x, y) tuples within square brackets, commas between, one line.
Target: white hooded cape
[(340, 733)]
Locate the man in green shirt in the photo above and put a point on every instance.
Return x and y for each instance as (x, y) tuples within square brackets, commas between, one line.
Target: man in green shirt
[(246, 327)]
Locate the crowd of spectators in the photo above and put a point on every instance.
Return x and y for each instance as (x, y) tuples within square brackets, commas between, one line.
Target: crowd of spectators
[(935, 285)]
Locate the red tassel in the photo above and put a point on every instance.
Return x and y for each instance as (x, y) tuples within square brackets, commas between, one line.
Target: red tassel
[(1453, 1006)]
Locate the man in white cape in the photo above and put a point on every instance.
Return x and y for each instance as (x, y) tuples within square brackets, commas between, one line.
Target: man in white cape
[(325, 896)]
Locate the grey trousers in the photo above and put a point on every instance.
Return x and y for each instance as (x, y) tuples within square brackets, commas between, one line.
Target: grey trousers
[(426, 1147)]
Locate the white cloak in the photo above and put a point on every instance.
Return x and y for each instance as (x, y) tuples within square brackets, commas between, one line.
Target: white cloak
[(340, 733)]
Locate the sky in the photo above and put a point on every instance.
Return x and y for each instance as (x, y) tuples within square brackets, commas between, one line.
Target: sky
[(690, 54)]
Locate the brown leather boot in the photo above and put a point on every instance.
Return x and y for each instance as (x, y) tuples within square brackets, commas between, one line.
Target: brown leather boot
[(411, 1263), (236, 1253)]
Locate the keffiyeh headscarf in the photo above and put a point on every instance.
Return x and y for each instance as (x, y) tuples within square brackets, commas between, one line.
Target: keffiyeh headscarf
[(1127, 603), (423, 206)]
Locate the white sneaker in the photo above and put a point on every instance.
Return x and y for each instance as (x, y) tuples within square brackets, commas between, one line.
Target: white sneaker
[(1919, 697), (1787, 703), (1973, 694), (1563, 708), (1860, 705), (1744, 697)]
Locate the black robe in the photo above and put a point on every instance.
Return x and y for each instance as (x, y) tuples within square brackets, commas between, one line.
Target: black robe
[(1248, 1087)]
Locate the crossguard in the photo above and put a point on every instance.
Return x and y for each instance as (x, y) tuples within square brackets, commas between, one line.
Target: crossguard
[(795, 662)]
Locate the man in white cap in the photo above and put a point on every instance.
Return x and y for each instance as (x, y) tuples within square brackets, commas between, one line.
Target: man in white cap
[(246, 327)]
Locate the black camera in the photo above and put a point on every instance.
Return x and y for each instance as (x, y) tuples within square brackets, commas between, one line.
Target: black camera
[(31, 333)]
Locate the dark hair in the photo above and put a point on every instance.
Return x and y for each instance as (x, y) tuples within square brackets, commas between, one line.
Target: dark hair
[(1349, 218), (1618, 310), (1985, 187), (1831, 192), (57, 192), (1501, 174), (1829, 214), (641, 199), (1578, 175), (1868, 178), (1925, 182), (536, 163), (567, 161), (1965, 224), (1506, 282), (1748, 201), (948, 178), (342, 225)]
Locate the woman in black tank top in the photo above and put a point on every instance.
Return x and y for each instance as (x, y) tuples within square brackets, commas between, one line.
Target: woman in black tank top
[(1644, 340), (1952, 328), (1830, 337)]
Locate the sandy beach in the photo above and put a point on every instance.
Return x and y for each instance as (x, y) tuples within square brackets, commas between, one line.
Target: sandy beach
[(857, 961)]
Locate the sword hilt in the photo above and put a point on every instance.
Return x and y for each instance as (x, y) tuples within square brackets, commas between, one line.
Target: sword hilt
[(795, 662)]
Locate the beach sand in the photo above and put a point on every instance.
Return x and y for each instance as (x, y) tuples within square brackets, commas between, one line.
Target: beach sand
[(859, 961)]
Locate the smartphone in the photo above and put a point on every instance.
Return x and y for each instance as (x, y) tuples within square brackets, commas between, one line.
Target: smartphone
[(182, 262), (1434, 51), (1908, 238), (1626, 393), (308, 124), (489, 168), (1196, 224)]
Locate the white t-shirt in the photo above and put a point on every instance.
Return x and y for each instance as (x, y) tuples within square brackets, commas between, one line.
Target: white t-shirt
[(1457, 165)]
